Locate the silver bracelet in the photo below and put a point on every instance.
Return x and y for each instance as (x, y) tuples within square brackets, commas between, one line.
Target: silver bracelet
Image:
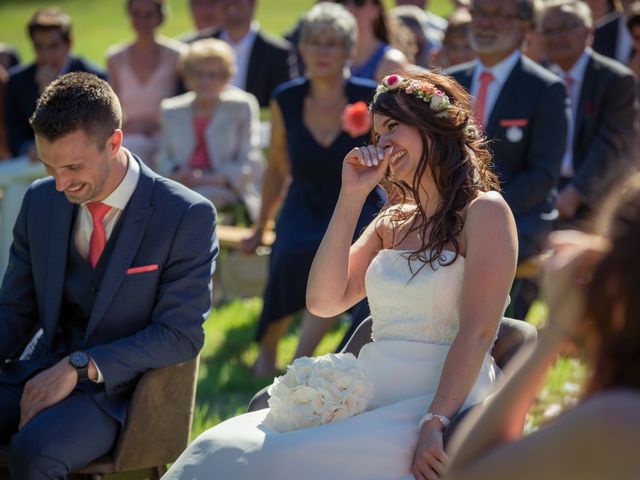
[(430, 416)]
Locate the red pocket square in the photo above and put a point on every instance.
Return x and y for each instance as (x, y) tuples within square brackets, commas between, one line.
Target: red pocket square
[(514, 122), (145, 268)]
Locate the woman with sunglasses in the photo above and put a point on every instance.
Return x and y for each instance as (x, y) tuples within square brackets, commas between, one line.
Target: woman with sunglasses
[(423, 264), (375, 57)]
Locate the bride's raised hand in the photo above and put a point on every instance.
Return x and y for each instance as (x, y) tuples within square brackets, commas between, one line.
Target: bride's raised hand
[(363, 168)]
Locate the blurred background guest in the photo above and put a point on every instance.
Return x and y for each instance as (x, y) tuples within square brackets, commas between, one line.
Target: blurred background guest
[(456, 48), (435, 25), (305, 159), (263, 61), (207, 18), (633, 25), (611, 37), (8, 56), (4, 142), (413, 18), (211, 134), (143, 72), (375, 57), (604, 107), (50, 33)]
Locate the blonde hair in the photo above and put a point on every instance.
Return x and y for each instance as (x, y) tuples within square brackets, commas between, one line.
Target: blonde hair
[(208, 49)]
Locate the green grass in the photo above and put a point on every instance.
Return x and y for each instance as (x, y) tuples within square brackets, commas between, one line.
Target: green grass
[(97, 24)]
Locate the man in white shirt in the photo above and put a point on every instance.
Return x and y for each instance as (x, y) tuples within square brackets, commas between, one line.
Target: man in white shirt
[(263, 61), (604, 108)]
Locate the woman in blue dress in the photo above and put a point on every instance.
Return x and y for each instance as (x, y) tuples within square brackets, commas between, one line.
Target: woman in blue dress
[(375, 57), (305, 159)]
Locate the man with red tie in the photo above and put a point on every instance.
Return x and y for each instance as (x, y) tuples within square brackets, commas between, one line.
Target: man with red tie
[(113, 263), (522, 108), (604, 108)]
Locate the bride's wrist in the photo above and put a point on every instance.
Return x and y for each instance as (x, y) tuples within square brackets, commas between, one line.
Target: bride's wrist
[(434, 422)]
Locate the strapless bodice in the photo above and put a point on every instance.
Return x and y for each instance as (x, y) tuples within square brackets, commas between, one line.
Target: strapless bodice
[(424, 307)]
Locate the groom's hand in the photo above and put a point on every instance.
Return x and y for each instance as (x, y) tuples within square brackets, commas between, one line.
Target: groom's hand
[(46, 389)]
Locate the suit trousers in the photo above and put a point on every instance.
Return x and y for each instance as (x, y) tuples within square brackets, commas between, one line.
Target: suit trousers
[(59, 440)]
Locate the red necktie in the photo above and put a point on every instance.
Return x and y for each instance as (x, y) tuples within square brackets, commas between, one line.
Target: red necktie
[(481, 99), (98, 236)]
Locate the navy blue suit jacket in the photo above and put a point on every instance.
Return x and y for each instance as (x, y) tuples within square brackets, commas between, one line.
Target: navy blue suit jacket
[(606, 126), (21, 96), (139, 321), (532, 101)]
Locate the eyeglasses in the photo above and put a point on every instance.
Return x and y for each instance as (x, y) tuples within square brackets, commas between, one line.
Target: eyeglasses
[(560, 29), (495, 15), (329, 46), (208, 74)]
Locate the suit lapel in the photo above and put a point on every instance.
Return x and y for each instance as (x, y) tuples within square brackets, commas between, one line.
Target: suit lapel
[(585, 101), (255, 59), (59, 238), (135, 221), (509, 87)]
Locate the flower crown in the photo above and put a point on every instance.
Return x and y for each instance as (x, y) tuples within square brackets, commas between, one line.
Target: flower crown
[(436, 98)]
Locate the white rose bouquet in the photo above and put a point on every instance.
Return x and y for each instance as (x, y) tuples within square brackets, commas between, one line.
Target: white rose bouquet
[(318, 390)]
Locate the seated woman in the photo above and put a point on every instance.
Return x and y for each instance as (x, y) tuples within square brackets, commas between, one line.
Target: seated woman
[(591, 288), (211, 134), (142, 73), (436, 267)]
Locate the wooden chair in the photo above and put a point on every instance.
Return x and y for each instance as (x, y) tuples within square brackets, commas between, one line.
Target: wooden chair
[(512, 335), (156, 431)]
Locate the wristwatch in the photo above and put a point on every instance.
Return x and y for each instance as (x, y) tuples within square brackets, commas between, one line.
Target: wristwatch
[(80, 361)]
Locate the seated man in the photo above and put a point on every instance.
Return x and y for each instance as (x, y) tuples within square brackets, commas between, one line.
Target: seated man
[(50, 32), (114, 263)]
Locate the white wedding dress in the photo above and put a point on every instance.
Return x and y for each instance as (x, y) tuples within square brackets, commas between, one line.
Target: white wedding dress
[(415, 320)]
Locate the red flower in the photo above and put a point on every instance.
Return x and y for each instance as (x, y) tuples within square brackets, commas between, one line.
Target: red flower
[(355, 119)]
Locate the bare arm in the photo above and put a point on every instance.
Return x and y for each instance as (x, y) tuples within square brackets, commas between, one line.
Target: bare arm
[(336, 279), (490, 262), (488, 446)]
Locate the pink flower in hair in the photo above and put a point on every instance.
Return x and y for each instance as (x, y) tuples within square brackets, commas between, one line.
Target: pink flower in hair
[(392, 81)]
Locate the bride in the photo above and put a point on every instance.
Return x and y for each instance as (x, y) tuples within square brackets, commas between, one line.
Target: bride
[(436, 266)]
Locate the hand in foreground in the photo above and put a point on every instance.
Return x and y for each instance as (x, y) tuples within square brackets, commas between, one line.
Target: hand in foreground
[(430, 459), (364, 167), (565, 274), (46, 389)]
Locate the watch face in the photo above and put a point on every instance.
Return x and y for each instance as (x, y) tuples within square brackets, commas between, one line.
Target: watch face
[(79, 359)]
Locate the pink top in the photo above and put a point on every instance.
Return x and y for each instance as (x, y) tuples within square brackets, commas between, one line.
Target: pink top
[(200, 156)]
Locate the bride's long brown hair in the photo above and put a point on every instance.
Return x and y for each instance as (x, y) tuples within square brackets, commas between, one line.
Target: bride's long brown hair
[(454, 153)]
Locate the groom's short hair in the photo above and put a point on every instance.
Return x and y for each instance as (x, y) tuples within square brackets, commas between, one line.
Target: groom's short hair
[(77, 101)]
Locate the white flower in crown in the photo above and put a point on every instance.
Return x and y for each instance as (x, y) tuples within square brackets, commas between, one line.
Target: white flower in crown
[(318, 390), (438, 101)]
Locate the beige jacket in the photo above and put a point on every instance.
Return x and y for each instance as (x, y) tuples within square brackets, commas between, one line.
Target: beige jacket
[(233, 142)]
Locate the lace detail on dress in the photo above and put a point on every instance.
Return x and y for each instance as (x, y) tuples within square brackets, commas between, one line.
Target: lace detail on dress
[(424, 308)]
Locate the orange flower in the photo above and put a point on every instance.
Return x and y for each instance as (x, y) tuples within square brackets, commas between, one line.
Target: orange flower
[(355, 119)]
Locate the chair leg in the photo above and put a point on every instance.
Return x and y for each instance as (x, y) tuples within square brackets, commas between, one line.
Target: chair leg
[(158, 472)]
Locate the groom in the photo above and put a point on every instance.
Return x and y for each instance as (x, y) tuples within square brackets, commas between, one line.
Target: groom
[(113, 263)]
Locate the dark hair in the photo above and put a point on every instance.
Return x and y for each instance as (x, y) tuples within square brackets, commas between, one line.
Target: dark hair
[(612, 298), (77, 101), (381, 24), (456, 156), (160, 5), (46, 19)]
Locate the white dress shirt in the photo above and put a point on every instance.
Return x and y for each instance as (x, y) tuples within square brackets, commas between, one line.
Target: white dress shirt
[(624, 43), (242, 49), (117, 200), (501, 72), (576, 72)]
